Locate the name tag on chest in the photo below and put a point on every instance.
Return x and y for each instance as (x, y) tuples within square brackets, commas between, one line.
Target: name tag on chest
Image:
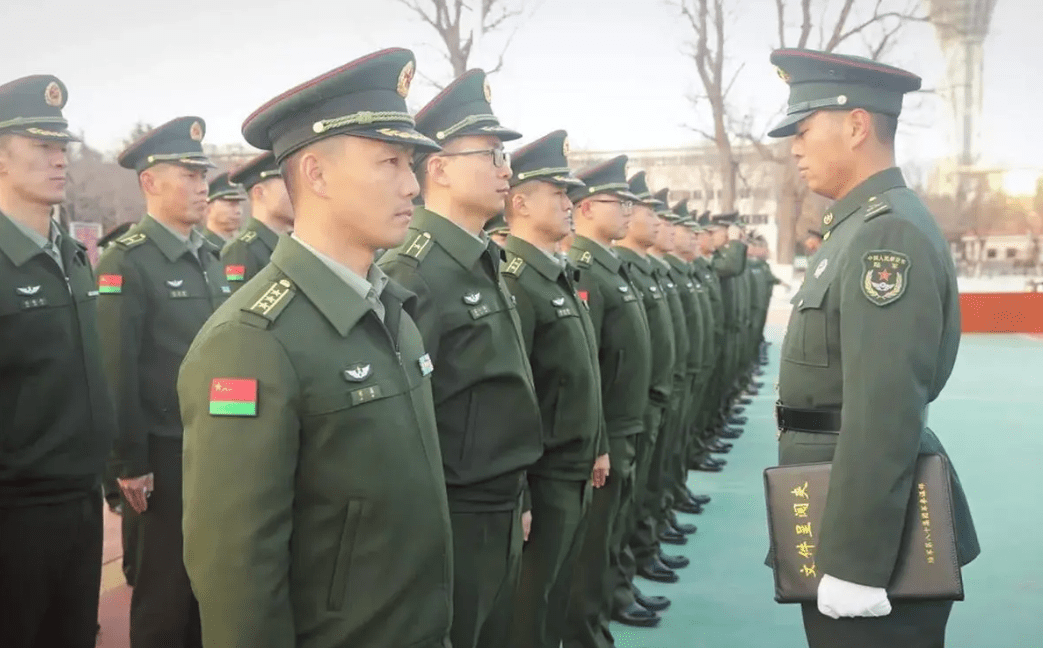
[(480, 311), (565, 312)]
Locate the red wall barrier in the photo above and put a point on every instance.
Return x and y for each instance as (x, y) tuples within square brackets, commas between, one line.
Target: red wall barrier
[(1002, 312)]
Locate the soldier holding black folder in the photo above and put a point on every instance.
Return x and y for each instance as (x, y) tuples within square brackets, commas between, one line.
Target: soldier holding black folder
[(871, 342)]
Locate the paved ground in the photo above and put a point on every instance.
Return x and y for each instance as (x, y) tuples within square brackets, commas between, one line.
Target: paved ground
[(990, 418)]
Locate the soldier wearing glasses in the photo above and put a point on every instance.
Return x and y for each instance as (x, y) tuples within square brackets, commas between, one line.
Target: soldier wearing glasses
[(485, 402)]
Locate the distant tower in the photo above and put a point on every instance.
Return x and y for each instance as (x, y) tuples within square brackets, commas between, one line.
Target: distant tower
[(961, 27)]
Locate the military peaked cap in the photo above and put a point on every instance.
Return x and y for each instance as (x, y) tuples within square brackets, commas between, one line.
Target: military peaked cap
[(256, 171), (364, 98), (606, 177), (179, 141), (545, 159), (463, 108), (825, 81), (32, 106), (221, 188)]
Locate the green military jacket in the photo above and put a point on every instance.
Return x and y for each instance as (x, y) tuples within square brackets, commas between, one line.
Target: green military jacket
[(154, 296), (729, 262), (620, 326), (707, 327), (315, 506), (705, 272), (874, 333), (661, 271), (660, 324), (56, 418), (691, 315), (488, 416), (246, 254), (563, 353)]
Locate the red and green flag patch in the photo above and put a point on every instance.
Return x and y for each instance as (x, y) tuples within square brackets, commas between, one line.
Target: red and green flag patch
[(110, 284), (235, 272), (233, 397)]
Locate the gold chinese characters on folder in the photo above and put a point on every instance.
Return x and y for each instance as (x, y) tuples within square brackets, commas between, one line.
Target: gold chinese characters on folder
[(927, 568)]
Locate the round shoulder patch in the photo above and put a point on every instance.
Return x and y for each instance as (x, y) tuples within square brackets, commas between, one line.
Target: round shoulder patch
[(885, 276)]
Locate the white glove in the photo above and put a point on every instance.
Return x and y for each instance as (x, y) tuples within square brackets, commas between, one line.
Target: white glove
[(837, 598)]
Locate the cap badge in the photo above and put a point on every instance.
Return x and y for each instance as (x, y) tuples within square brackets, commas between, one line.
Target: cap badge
[(405, 78), (565, 147), (782, 74), (52, 95), (487, 91), (196, 132)]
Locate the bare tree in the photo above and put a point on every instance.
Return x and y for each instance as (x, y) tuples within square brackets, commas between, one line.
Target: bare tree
[(460, 24)]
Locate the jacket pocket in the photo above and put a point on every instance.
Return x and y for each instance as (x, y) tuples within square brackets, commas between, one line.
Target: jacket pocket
[(807, 342), (342, 566)]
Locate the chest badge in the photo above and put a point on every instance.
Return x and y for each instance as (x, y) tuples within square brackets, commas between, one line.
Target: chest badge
[(358, 373), (821, 268), (472, 298), (426, 366), (175, 283), (624, 289), (27, 290), (558, 301), (653, 289)]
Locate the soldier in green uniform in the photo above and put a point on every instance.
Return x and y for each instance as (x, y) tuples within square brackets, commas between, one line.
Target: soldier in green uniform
[(729, 262), (56, 417), (641, 556), (701, 444), (488, 415), (698, 324), (271, 216), (625, 359), (662, 476), (157, 285), (871, 343), (313, 381), (710, 424), (562, 349), (224, 211)]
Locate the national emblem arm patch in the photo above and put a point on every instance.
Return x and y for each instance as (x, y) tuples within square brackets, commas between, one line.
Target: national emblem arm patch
[(885, 276)]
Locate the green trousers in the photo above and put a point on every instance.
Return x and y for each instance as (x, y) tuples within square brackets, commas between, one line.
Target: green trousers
[(487, 550), (593, 575), (559, 510)]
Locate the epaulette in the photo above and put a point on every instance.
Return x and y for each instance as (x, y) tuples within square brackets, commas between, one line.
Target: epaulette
[(876, 206), (585, 260), (515, 267), (271, 303), (247, 236), (131, 240), (418, 246)]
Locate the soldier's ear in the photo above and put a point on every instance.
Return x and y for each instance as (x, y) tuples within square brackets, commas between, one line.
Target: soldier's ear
[(858, 127)]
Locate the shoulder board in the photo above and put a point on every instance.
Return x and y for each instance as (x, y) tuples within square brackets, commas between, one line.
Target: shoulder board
[(247, 236), (273, 300), (418, 246), (131, 240), (515, 267), (876, 206)]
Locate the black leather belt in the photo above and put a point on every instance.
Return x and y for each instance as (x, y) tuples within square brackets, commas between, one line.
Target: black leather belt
[(815, 421)]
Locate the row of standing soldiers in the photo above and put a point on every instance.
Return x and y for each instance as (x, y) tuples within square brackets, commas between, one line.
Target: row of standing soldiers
[(571, 397)]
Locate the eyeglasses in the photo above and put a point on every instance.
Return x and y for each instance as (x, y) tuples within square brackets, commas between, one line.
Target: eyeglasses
[(500, 156), (626, 205)]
